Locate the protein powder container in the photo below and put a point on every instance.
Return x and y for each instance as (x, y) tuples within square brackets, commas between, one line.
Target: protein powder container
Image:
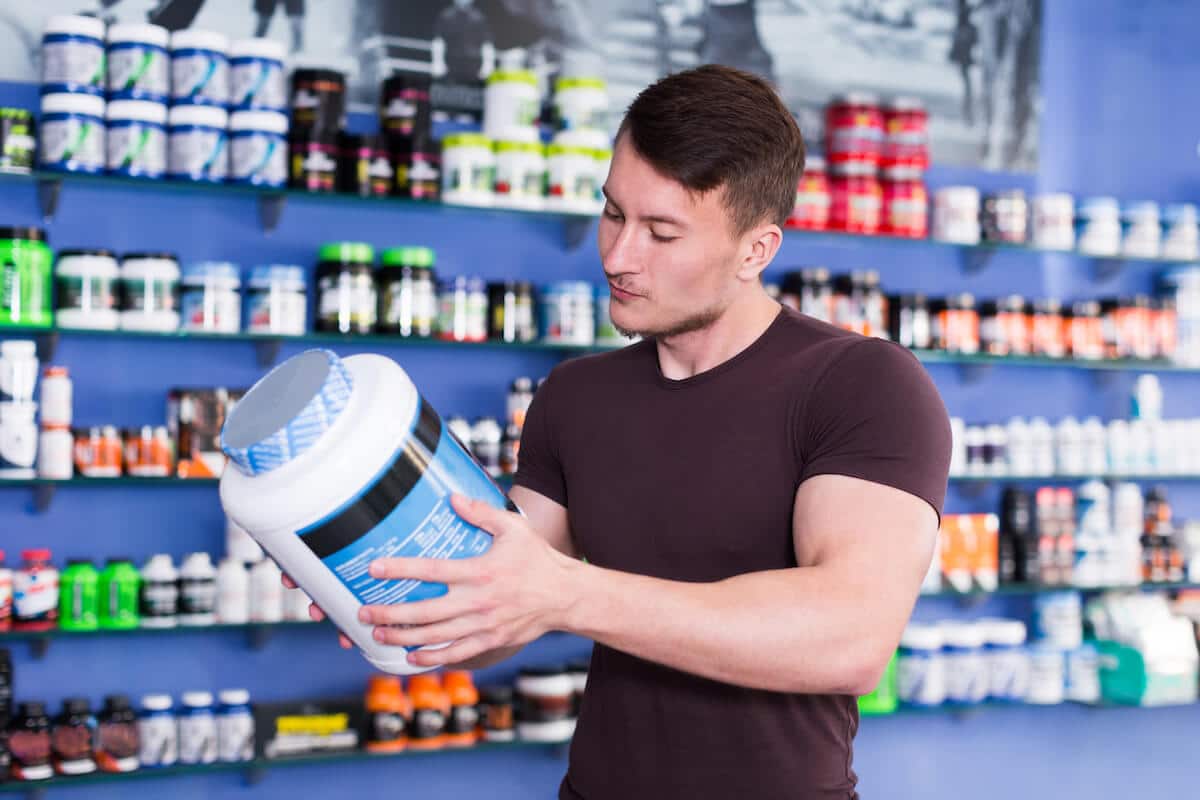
[(313, 160), (277, 300), (71, 738), (29, 743), (158, 732), (408, 303), (73, 55), (137, 139), (338, 462), (87, 289), (72, 133), (159, 598), (364, 166), (256, 75), (138, 66), (210, 300), (258, 148), (233, 592), (920, 667), (346, 296), (199, 68), (318, 100), (18, 142), (197, 590), (404, 107), (235, 727), (545, 697), (198, 144), (150, 292)]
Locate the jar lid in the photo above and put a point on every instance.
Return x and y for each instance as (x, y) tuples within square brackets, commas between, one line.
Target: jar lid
[(75, 25), (522, 384), (559, 149), (1047, 305), (855, 99), (545, 671), (814, 164), (513, 76), (466, 139), (509, 146), (55, 372), (423, 257), (496, 695), (289, 276), (962, 634), (208, 116), (76, 705), (157, 702), (23, 114), (287, 412), (23, 234), (84, 253), (31, 708), (197, 699), (319, 74), (234, 697), (85, 104), (854, 169), (139, 33), (399, 81), (137, 110), (921, 637), (1005, 632), (347, 253), (902, 174), (221, 271), (904, 104), (199, 40), (259, 121), (36, 554)]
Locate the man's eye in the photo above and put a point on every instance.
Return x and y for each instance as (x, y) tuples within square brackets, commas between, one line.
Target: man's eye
[(608, 212), (663, 239)]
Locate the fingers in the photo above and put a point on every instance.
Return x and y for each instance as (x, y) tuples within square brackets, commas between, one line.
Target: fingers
[(429, 634), (484, 515), (466, 648), (422, 612), (344, 641), (430, 570), (287, 581), (315, 612)]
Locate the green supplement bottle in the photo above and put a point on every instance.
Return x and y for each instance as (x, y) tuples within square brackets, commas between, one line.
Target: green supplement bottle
[(77, 606), (26, 284), (119, 586)]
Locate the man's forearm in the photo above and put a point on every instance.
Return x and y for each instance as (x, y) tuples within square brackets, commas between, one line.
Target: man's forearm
[(794, 630)]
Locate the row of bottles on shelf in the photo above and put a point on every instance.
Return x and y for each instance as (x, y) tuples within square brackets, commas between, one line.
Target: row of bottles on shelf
[(434, 711), (1055, 536), (1139, 327), (1145, 444), (1139, 649)]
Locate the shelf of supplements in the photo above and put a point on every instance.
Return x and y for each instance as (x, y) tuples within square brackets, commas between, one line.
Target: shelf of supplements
[(272, 201), (258, 634), (1018, 589), (255, 770), (1102, 365), (963, 711), (1138, 477)]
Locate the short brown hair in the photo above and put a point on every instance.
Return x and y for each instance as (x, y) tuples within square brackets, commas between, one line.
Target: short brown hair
[(717, 127)]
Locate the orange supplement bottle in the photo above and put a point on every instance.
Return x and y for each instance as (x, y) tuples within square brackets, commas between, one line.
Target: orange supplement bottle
[(462, 726), (431, 707), (388, 712)]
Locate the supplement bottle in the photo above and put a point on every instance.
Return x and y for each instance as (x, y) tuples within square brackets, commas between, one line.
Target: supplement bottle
[(117, 741), (197, 729), (71, 738), (258, 148), (119, 585), (78, 606), (233, 592), (57, 396), (346, 296), (920, 667), (198, 144), (138, 66), (462, 725), (199, 68), (73, 55), (72, 133), (137, 139), (150, 292), (35, 593), (388, 714), (544, 699), (158, 732), (6, 601), (496, 714), (29, 743), (431, 708), (338, 462), (197, 590), (256, 75), (159, 606), (235, 726), (266, 592), (87, 289)]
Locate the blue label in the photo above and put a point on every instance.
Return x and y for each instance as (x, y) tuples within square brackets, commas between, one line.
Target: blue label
[(422, 525)]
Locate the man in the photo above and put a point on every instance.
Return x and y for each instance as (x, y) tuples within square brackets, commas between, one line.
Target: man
[(756, 493)]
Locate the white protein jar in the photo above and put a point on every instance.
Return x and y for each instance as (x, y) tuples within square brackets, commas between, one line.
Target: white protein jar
[(258, 148), (73, 55), (87, 290), (256, 75), (510, 101), (137, 138), (150, 292), (468, 167), (138, 66), (581, 102), (573, 179), (71, 134), (520, 175), (334, 463), (200, 68), (198, 144)]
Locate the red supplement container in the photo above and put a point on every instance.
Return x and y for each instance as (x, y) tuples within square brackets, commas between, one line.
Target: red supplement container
[(811, 212), (905, 203), (35, 593), (906, 134), (857, 199), (854, 129)]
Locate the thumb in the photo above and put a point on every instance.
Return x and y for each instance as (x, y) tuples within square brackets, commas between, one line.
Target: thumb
[(483, 515)]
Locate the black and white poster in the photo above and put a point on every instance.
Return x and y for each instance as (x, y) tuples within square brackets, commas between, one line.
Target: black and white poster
[(974, 63)]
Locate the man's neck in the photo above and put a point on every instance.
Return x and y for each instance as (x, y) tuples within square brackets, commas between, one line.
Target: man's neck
[(681, 357)]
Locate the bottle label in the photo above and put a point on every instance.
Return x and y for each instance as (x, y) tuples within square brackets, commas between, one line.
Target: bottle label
[(159, 740), (35, 595), (73, 61), (159, 599), (199, 76), (463, 719), (405, 512), (198, 153), (388, 726), (428, 723), (197, 739), (197, 595), (235, 736), (137, 70)]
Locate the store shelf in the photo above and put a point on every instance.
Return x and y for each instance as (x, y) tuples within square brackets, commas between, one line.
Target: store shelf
[(258, 634), (1018, 589), (1116, 364), (952, 710), (272, 202), (1165, 477), (255, 770)]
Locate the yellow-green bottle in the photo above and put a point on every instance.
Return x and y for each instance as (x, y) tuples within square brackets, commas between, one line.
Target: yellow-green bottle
[(77, 607), (119, 585)]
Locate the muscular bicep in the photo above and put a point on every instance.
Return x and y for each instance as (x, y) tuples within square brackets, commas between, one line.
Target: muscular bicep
[(877, 539), (547, 517)]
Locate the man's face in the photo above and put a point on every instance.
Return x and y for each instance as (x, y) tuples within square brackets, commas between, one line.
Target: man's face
[(669, 255)]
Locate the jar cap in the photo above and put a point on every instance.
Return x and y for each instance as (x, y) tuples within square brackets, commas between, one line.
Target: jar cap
[(921, 637), (580, 82), (197, 699), (157, 702), (466, 139), (73, 104), (347, 253), (38, 554), (208, 116), (76, 705), (234, 697), (200, 40), (75, 25), (513, 76), (139, 33), (287, 412)]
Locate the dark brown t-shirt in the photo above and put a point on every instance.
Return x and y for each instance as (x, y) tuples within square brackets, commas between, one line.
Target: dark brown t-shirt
[(695, 480)]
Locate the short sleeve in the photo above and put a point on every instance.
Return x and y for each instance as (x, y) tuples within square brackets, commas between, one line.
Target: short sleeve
[(539, 467), (875, 414)]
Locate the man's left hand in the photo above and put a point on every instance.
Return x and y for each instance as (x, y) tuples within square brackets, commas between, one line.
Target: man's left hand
[(512, 594)]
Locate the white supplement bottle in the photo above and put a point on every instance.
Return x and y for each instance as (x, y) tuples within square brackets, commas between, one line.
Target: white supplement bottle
[(233, 592), (266, 592), (335, 463), (197, 590), (158, 732), (159, 597)]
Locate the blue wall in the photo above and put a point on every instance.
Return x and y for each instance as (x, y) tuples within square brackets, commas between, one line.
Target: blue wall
[(1118, 118)]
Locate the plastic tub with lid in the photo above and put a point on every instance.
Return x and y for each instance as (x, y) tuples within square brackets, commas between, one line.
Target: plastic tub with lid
[(200, 68), (198, 144), (72, 133), (336, 462), (137, 138), (256, 75), (73, 55), (138, 67)]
